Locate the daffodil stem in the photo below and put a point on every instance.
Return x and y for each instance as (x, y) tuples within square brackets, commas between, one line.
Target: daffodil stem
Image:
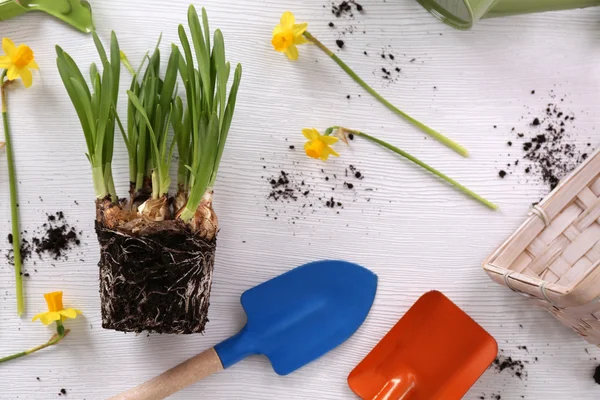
[(12, 182), (53, 340), (431, 132), (420, 163)]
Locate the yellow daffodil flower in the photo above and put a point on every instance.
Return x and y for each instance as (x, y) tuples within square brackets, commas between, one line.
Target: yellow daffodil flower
[(56, 311), (18, 61), (318, 146), (287, 35)]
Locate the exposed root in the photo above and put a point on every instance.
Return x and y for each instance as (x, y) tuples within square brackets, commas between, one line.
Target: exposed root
[(157, 279), (155, 271)]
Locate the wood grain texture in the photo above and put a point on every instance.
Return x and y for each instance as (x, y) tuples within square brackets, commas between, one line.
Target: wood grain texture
[(416, 233)]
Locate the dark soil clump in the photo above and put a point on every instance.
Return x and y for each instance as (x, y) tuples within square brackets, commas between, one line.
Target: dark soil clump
[(157, 279), (515, 367), (357, 174), (58, 237), (283, 188), (597, 375), (344, 8), (54, 238)]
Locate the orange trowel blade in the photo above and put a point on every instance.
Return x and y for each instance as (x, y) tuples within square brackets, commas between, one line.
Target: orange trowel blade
[(434, 352)]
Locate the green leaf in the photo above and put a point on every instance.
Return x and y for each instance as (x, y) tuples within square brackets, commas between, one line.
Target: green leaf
[(115, 62), (202, 55), (93, 72), (100, 48), (87, 106), (166, 95), (65, 75), (226, 123), (142, 112), (222, 73), (104, 108), (206, 29)]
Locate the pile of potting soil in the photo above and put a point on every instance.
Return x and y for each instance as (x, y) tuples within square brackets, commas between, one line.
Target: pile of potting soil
[(53, 240), (547, 145)]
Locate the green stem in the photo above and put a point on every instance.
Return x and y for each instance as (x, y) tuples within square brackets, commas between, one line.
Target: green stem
[(434, 134), (53, 340), (14, 212), (110, 183), (420, 163)]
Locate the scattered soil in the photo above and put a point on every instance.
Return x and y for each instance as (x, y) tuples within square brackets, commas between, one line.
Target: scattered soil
[(357, 174), (345, 8), (493, 396), (62, 392), (347, 24), (548, 144), (311, 192), (514, 367), (53, 239)]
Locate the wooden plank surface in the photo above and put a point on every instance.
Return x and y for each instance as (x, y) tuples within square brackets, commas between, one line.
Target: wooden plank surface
[(416, 233)]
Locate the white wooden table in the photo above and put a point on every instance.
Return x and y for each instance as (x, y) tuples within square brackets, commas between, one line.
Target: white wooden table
[(416, 233)]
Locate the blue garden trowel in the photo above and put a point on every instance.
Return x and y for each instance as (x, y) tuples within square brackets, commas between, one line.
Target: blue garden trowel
[(293, 319)]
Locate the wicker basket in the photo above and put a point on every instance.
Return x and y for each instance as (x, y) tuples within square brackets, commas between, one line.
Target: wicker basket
[(554, 257)]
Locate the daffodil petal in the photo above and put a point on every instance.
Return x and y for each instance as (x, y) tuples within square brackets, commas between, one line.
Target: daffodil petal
[(5, 62), (47, 317), (299, 29), (69, 313), (310, 133), (26, 76), (300, 40), (327, 151), (292, 52), (287, 19), (33, 65), (329, 139), (9, 47), (13, 73)]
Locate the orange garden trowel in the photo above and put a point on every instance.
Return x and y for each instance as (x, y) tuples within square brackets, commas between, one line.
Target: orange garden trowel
[(435, 352)]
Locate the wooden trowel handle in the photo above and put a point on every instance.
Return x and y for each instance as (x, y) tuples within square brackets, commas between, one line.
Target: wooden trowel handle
[(175, 379)]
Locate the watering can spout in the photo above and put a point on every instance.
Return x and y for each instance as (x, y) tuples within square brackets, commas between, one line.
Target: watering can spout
[(503, 8), (77, 13), (462, 14)]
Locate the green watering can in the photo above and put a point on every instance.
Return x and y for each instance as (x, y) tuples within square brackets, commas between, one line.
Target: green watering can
[(462, 14), (76, 13)]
